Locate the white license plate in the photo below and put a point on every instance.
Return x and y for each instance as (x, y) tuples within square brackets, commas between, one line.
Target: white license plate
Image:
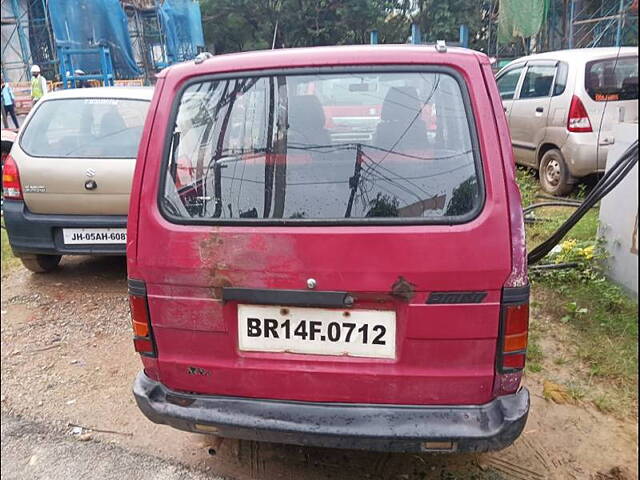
[(317, 331), (74, 236)]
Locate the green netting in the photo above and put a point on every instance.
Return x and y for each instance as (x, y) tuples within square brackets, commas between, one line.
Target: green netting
[(520, 18)]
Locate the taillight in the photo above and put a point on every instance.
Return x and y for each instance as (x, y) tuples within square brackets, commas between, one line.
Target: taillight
[(143, 341), (578, 120), (514, 329), (11, 188), (512, 340)]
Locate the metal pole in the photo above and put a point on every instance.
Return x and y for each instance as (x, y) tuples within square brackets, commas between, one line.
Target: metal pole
[(275, 33), (572, 9), (22, 37), (415, 34), (464, 36), (620, 22)]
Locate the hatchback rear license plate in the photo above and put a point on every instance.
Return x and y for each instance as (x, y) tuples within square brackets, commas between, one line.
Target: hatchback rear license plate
[(317, 331), (73, 236)]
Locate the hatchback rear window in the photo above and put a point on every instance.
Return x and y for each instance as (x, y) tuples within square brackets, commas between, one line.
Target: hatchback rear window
[(85, 128), (612, 79), (323, 147)]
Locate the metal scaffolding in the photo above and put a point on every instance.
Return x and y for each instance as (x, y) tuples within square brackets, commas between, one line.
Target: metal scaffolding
[(573, 24), (160, 32), (16, 54), (26, 39), (146, 36), (607, 23)]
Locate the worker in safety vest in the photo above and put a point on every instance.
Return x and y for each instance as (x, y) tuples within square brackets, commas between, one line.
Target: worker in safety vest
[(38, 84)]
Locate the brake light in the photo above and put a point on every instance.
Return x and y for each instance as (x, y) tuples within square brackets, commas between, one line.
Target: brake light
[(512, 341), (11, 187), (514, 329), (578, 120), (143, 341)]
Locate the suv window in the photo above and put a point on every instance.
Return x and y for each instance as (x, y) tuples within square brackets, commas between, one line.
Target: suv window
[(264, 148), (537, 81), (85, 128), (612, 79), (560, 83), (508, 82)]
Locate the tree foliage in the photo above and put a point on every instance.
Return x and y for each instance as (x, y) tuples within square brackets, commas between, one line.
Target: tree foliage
[(237, 25)]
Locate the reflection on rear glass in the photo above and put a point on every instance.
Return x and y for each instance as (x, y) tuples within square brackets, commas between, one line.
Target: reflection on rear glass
[(324, 146)]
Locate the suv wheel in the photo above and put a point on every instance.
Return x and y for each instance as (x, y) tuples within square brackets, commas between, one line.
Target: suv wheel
[(554, 174), (41, 263)]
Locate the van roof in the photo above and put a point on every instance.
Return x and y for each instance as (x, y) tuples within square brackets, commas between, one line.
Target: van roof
[(581, 55), (132, 93), (325, 56)]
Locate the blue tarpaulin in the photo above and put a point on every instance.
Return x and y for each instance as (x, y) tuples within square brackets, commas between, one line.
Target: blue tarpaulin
[(89, 23), (182, 24), (86, 24)]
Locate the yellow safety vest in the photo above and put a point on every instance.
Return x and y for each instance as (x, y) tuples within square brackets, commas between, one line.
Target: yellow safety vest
[(36, 88)]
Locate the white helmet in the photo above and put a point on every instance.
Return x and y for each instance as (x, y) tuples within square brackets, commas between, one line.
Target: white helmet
[(35, 69)]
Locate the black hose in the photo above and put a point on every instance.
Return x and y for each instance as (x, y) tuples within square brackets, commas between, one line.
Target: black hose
[(608, 182), (558, 203), (551, 197), (554, 266)]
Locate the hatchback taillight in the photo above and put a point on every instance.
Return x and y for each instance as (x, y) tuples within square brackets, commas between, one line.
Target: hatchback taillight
[(143, 341), (514, 329), (578, 120), (11, 188)]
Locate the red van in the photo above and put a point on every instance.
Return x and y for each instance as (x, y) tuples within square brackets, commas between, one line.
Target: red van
[(288, 285)]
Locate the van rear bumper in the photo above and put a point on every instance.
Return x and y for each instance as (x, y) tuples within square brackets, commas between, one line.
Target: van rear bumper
[(470, 428), (32, 233)]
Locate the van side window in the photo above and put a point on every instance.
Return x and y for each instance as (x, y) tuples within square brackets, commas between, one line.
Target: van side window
[(537, 81), (508, 82), (324, 146)]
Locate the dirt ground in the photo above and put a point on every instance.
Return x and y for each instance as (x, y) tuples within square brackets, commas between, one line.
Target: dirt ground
[(68, 364)]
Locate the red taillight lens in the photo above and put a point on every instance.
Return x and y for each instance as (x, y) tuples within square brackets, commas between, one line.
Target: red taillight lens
[(513, 361), (578, 120), (139, 316), (141, 322), (514, 329), (11, 188)]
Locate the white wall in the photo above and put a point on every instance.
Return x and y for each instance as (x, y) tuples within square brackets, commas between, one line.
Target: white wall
[(619, 215)]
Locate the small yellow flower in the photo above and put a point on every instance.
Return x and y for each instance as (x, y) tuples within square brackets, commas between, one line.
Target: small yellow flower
[(588, 252), (568, 245)]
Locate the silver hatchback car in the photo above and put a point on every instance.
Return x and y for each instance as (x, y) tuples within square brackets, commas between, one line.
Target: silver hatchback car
[(67, 180), (562, 108)]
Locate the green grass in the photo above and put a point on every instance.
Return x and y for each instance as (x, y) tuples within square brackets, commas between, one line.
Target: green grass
[(535, 354), (602, 319)]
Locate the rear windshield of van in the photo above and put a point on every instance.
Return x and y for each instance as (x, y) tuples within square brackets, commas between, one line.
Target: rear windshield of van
[(612, 79), (323, 147), (85, 128)]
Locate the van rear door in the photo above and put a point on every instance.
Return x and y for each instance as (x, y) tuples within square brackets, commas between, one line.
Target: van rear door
[(69, 143), (282, 264)]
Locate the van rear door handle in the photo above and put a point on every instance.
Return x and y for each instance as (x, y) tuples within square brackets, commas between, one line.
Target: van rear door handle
[(540, 109)]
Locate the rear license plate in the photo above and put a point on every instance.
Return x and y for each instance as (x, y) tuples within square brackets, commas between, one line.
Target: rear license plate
[(317, 331), (73, 236)]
